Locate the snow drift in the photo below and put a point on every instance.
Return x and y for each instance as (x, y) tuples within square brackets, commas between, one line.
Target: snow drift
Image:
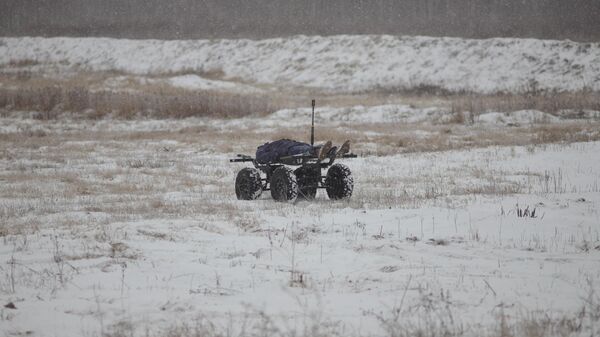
[(337, 63)]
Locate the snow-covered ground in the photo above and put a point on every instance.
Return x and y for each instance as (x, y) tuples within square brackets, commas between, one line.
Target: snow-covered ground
[(338, 63), (325, 118), (132, 228)]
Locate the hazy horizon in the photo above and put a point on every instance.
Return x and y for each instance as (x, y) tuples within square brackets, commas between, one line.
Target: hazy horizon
[(187, 19)]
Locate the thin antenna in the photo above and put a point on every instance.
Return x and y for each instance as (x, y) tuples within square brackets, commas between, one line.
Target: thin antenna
[(312, 128)]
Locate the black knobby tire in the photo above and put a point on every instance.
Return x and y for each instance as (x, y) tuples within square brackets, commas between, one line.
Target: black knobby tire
[(339, 182), (248, 185), (284, 186), (308, 180)]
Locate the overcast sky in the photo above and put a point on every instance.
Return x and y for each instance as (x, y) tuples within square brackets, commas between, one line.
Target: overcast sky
[(175, 19)]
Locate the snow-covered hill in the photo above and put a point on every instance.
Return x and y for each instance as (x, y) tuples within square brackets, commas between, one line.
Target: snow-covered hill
[(338, 63)]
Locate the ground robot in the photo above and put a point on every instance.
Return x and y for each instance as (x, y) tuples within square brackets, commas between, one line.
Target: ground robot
[(287, 184)]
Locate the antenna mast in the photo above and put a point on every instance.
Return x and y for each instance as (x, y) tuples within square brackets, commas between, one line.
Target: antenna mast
[(312, 128)]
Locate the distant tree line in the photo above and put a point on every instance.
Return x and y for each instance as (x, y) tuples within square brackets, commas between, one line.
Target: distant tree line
[(190, 19)]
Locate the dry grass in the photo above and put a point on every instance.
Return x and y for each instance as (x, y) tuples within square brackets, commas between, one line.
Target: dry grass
[(430, 316), (86, 95), (129, 175), (52, 101), (394, 138), (127, 178), (527, 97), (552, 102)]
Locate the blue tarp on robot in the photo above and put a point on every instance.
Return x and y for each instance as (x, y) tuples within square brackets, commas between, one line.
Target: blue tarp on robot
[(271, 152)]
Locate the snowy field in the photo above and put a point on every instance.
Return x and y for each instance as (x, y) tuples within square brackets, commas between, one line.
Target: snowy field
[(119, 228), (338, 64), (462, 223)]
